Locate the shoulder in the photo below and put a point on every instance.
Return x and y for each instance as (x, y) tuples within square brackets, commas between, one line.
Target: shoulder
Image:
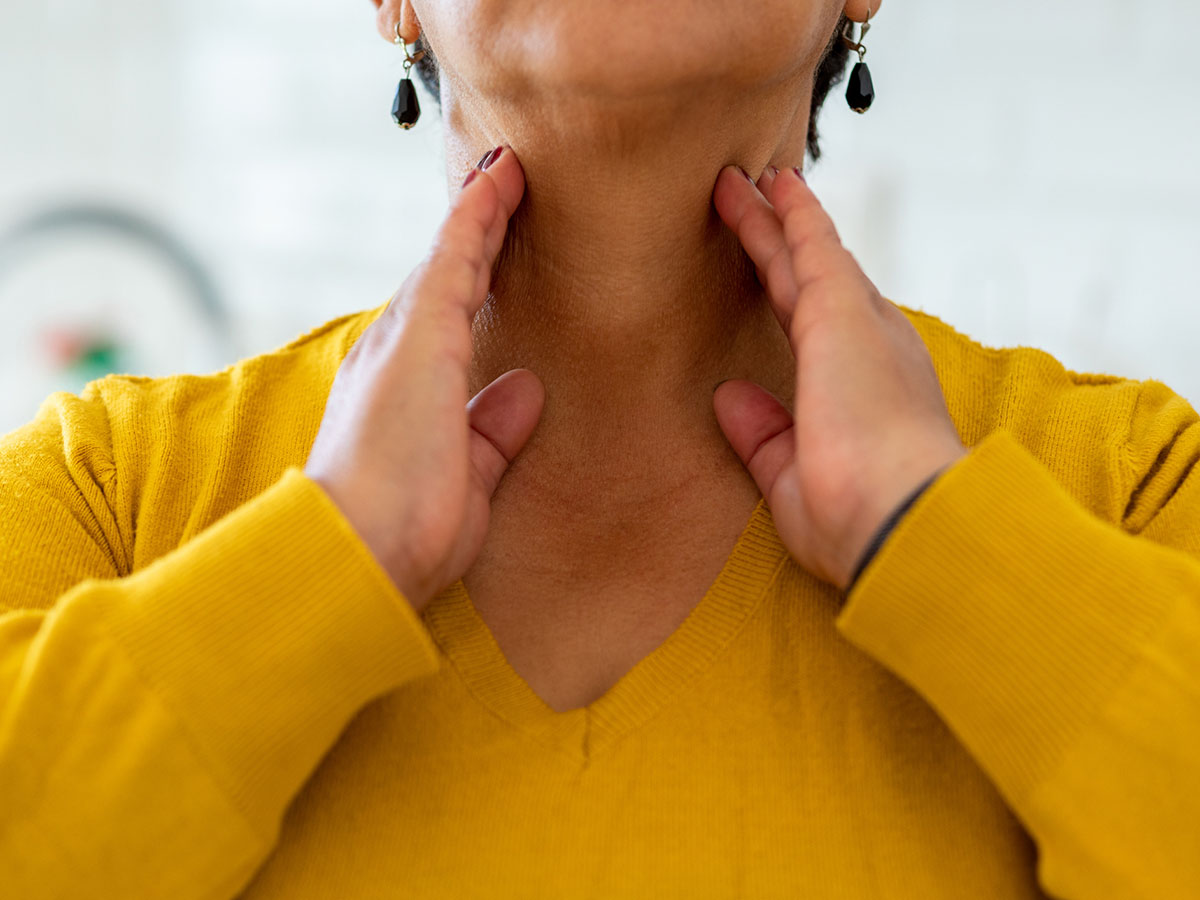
[(1092, 430), (167, 455), (313, 357), (1024, 389), (286, 386)]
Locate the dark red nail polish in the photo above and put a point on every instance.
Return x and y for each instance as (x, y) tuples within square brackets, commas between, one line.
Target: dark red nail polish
[(747, 174), (470, 176), (799, 174), (490, 157), (774, 171)]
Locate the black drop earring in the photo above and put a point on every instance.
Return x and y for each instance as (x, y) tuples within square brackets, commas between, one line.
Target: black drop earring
[(860, 92), (405, 109)]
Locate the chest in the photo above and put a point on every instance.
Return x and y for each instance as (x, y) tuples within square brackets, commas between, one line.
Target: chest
[(777, 762), (573, 606), (571, 642)]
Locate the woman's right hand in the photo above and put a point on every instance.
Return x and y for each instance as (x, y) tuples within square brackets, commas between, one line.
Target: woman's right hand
[(409, 461)]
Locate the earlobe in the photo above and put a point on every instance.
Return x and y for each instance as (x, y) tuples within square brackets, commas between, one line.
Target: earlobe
[(392, 11), (857, 10), (410, 25)]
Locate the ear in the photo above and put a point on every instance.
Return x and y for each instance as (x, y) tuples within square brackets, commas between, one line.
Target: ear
[(856, 10), (393, 11)]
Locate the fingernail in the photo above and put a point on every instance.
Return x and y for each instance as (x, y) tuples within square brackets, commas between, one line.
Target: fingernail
[(490, 157), (774, 171), (799, 174), (719, 383), (470, 176), (745, 174)]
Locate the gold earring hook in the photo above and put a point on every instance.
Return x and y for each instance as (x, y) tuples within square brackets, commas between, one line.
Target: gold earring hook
[(408, 58), (848, 35)]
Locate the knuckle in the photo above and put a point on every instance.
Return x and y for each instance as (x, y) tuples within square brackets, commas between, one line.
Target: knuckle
[(447, 281), (794, 219), (457, 247), (448, 331), (461, 228)]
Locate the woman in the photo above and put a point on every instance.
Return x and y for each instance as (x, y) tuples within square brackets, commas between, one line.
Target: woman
[(489, 592)]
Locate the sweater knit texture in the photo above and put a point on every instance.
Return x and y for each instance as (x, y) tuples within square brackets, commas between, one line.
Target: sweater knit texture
[(210, 688)]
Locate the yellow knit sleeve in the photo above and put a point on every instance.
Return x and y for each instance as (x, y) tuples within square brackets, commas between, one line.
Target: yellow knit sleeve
[(154, 727), (1062, 650)]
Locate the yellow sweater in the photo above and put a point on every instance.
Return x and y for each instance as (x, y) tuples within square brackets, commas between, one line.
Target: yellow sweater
[(210, 689)]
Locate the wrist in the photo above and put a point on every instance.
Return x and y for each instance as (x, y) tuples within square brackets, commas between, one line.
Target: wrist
[(413, 591), (884, 530)]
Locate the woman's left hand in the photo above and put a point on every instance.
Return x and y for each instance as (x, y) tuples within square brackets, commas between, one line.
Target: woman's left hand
[(871, 423)]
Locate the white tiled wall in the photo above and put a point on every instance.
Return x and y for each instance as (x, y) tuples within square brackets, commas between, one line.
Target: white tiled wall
[(1027, 172)]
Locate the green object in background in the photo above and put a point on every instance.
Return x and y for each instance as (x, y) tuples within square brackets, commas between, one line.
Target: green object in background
[(96, 359)]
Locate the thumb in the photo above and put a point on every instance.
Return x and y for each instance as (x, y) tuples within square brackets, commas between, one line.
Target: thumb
[(502, 417), (758, 427)]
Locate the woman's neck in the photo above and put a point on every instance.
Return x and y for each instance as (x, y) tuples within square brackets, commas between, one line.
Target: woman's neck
[(620, 287)]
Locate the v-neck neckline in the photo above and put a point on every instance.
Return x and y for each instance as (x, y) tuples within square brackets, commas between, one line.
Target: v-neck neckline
[(654, 680)]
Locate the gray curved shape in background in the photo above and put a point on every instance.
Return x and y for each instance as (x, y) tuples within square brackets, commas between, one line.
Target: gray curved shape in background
[(137, 228)]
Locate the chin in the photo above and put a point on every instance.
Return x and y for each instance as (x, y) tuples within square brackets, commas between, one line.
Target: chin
[(635, 50)]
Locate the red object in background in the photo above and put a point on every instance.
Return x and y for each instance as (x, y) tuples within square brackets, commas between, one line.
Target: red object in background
[(64, 346), (85, 353)]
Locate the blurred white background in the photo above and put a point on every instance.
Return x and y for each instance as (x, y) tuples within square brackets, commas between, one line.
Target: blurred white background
[(1026, 174)]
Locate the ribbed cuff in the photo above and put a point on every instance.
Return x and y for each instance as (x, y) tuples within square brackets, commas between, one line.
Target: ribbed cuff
[(889, 524), (265, 634), (1010, 608)]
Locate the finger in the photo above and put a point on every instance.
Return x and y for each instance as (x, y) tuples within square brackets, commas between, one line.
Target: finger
[(509, 178), (765, 180), (503, 416), (812, 240), (455, 273), (764, 186), (768, 186), (746, 211), (758, 427)]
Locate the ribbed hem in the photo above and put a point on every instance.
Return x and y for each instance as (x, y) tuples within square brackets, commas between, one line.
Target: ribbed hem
[(265, 634), (1010, 608)]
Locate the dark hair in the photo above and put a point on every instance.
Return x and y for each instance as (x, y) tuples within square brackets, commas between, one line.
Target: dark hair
[(830, 70)]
